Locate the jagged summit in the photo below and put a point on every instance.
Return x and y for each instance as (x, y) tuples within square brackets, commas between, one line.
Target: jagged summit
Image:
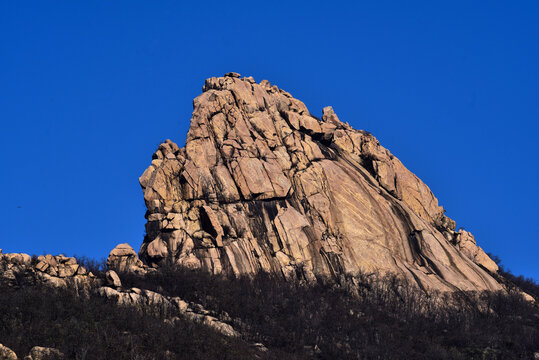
[(262, 185)]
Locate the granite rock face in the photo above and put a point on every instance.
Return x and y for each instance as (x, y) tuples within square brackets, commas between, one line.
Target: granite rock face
[(6, 353), (262, 185), (36, 353), (54, 270), (123, 258)]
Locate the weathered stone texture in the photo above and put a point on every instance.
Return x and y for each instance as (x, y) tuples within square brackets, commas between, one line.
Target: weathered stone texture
[(6, 353), (124, 259), (56, 270), (262, 185)]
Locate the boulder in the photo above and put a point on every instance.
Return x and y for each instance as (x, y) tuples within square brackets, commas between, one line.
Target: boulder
[(124, 259), (6, 353), (44, 353), (113, 279)]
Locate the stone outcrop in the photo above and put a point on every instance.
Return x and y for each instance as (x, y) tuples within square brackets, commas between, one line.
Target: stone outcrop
[(465, 242), (56, 270), (61, 271), (124, 259), (6, 353), (190, 311), (44, 353), (262, 185), (113, 279), (36, 353)]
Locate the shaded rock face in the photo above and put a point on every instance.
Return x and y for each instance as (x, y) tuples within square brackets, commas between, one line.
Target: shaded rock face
[(262, 185)]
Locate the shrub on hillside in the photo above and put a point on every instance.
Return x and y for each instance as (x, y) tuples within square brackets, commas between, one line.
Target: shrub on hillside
[(94, 328), (366, 317)]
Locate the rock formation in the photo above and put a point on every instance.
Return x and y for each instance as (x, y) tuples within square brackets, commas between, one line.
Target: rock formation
[(44, 353), (262, 185), (56, 270), (6, 353), (36, 353), (60, 271), (124, 259), (188, 310)]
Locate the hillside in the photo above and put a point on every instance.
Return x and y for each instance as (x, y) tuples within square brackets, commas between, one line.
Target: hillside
[(178, 313)]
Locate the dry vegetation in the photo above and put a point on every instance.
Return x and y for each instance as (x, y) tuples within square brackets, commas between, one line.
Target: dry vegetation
[(367, 317)]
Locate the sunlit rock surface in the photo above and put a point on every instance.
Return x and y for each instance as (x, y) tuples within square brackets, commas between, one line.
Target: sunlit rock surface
[(262, 185)]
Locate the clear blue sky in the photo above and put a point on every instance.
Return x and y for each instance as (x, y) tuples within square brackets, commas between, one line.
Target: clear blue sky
[(88, 89)]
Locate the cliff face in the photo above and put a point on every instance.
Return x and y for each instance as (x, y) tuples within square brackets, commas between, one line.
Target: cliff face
[(262, 185)]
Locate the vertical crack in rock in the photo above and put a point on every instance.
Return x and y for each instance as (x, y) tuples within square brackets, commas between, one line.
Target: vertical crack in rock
[(262, 185)]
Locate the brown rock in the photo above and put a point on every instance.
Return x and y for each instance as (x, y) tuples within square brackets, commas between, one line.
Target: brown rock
[(252, 178), (19, 269), (19, 259), (465, 241), (113, 279), (44, 353), (262, 185), (9, 275), (42, 266), (124, 258), (6, 353), (191, 311), (157, 248)]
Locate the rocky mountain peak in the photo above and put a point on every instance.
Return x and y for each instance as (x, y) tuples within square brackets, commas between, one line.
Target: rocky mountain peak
[(263, 185)]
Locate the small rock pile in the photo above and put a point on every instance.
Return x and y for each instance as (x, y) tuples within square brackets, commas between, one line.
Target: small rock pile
[(56, 270), (61, 271), (124, 259)]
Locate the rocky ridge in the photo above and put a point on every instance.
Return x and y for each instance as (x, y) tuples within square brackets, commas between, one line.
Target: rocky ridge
[(263, 185), (56, 270), (62, 271)]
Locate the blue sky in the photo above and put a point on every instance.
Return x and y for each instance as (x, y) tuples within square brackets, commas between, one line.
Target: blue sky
[(89, 89)]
